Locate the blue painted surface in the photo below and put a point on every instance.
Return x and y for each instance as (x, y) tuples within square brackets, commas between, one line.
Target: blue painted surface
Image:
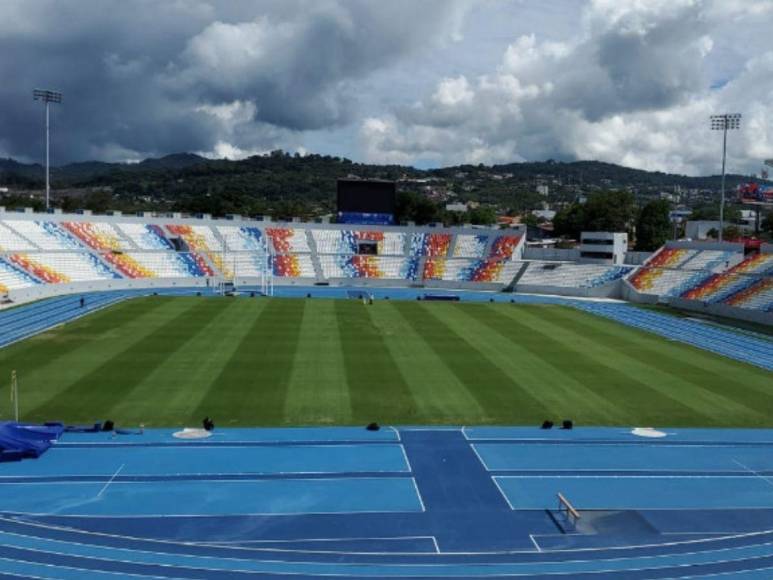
[(634, 492), (219, 460), (241, 436), (205, 497), (622, 435), (621, 457)]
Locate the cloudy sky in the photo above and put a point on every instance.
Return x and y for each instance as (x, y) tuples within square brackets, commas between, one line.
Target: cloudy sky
[(422, 82)]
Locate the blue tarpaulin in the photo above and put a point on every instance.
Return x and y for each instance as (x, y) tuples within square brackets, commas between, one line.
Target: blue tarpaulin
[(20, 440)]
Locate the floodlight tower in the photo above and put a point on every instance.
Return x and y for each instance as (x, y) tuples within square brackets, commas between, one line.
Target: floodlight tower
[(47, 97), (724, 123)]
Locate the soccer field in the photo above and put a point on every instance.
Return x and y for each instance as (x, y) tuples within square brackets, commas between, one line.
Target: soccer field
[(167, 361)]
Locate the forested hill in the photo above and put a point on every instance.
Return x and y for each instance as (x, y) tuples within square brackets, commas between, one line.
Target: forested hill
[(295, 168), (193, 183)]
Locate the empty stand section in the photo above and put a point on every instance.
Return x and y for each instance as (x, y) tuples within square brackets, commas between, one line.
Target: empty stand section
[(288, 240), (375, 267), (470, 246), (11, 241), (756, 296), (670, 257), (13, 277), (98, 235), (45, 235), (292, 266), (203, 241), (489, 270), (571, 275), (241, 239), (718, 287), (145, 236), (504, 246), (432, 245)]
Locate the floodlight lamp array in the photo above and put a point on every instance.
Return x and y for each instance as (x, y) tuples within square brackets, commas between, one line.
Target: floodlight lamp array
[(47, 96), (726, 122)]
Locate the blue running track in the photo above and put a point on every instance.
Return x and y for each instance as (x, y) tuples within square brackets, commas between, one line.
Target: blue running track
[(410, 502)]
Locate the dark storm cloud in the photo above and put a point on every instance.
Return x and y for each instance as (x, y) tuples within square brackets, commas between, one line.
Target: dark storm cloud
[(144, 78)]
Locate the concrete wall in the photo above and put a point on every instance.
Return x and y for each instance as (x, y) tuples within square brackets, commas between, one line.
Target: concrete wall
[(205, 220), (40, 291), (637, 258), (628, 292), (722, 246), (551, 254), (611, 290)]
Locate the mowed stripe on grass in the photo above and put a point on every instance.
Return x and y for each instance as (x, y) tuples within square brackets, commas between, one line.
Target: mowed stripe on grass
[(170, 361)]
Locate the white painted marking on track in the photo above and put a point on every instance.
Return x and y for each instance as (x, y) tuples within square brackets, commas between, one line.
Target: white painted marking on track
[(418, 494), (396, 433), (109, 481), (750, 470), (494, 479), (434, 541), (297, 540), (407, 461), (483, 463), (533, 541), (745, 535)]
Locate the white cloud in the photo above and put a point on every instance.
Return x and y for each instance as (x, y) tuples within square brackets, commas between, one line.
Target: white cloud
[(452, 92), (224, 150), (631, 87), (436, 81)]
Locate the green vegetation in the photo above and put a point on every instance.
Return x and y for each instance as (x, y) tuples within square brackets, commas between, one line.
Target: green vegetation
[(653, 227), (287, 185), (171, 361), (605, 211)]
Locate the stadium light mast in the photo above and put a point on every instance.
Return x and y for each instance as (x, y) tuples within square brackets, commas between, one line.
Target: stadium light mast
[(47, 97), (725, 122)]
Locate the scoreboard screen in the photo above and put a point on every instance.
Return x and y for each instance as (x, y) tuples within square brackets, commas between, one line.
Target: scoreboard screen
[(366, 201)]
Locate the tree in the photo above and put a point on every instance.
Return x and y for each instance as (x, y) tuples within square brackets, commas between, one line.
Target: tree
[(609, 211), (416, 208), (731, 232), (570, 221), (710, 212), (482, 215), (98, 201), (605, 211), (530, 219), (653, 226)]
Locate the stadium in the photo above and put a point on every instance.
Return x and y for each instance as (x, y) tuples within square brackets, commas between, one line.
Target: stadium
[(530, 412)]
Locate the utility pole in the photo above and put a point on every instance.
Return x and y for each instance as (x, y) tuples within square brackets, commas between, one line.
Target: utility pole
[(47, 97), (724, 123)]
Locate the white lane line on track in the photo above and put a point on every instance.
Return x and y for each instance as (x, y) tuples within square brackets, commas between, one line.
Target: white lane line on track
[(483, 463), (533, 541), (109, 481), (504, 495)]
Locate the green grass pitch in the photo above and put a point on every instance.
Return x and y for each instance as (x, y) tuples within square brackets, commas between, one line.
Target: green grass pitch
[(167, 361)]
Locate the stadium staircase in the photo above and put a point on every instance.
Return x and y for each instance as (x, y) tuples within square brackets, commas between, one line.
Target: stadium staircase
[(315, 257)]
